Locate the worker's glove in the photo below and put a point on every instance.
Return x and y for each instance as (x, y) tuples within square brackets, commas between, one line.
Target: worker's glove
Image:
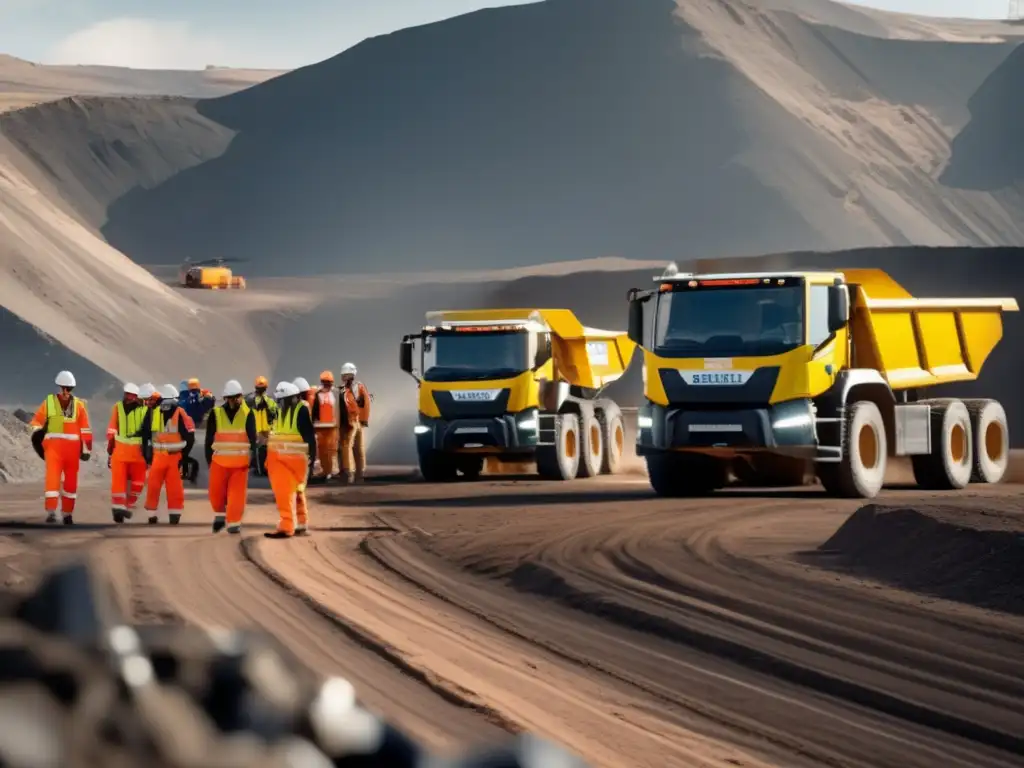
[(37, 443), (364, 424), (109, 460), (86, 456)]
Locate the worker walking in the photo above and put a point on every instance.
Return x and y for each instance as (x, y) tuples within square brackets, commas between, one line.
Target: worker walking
[(355, 415), (290, 452), (124, 450), (265, 411), (230, 440), (62, 437), (168, 434), (307, 393), (325, 422)]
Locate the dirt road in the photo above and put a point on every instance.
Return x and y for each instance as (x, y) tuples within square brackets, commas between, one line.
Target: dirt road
[(638, 631)]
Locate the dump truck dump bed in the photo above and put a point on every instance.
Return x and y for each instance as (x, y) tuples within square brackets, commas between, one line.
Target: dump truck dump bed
[(920, 342)]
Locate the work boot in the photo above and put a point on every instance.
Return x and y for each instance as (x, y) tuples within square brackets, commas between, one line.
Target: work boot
[(153, 519), (218, 523), (128, 514), (174, 518), (51, 517), (277, 535), (301, 530), (69, 520), (235, 528), (358, 478), (118, 515)]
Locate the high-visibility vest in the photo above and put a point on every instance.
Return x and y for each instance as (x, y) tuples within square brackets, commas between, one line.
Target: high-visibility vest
[(352, 408), (129, 424), (230, 441), (59, 426), (285, 438), (328, 404), (166, 437), (262, 416)]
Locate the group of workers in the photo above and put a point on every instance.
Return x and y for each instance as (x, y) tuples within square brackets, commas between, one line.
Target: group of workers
[(292, 436)]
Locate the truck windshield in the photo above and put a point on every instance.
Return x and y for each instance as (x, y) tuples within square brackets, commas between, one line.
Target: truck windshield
[(730, 321), (476, 356)]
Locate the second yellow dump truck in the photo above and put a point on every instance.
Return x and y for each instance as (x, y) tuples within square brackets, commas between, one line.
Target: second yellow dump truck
[(518, 385), (774, 371)]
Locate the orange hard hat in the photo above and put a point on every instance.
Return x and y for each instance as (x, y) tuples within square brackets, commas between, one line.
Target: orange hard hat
[(327, 376), (261, 381), (193, 383)]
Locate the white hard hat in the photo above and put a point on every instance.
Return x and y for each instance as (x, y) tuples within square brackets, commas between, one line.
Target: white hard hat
[(348, 368), (286, 389), (131, 389), (169, 391), (302, 384), (147, 390), (65, 379), (232, 388)]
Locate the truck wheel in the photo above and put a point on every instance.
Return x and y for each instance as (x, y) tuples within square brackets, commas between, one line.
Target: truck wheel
[(613, 430), (678, 475), (437, 467), (471, 467), (592, 453), (861, 472), (561, 461), (950, 464), (991, 440)]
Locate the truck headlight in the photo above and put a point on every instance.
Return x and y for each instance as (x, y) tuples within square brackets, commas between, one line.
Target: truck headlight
[(528, 425), (792, 422), (420, 429), (644, 422)]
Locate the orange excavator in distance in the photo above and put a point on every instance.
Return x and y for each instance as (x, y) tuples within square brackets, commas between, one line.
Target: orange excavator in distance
[(210, 274)]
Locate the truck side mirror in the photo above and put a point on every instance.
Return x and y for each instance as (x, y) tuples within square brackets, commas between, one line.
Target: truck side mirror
[(635, 330), (838, 307), (405, 356)]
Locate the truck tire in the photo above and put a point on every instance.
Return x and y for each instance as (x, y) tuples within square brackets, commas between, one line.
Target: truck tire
[(860, 473), (561, 461), (592, 446), (677, 475), (991, 440), (613, 429), (950, 464), (437, 467)]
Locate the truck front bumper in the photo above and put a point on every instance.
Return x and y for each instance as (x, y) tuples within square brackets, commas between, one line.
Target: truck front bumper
[(508, 433), (785, 428)]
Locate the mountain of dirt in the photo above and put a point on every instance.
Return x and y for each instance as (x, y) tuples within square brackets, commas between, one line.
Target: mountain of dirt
[(24, 83), (568, 129)]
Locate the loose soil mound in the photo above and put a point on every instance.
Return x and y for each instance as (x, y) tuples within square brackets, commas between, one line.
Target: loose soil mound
[(964, 554)]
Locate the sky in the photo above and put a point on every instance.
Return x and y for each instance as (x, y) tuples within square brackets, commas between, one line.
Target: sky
[(273, 34)]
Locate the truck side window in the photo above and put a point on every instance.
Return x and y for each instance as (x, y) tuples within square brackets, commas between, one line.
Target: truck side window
[(817, 317)]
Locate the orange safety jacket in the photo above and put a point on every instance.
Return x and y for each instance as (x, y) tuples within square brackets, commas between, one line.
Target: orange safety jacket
[(357, 402), (60, 422)]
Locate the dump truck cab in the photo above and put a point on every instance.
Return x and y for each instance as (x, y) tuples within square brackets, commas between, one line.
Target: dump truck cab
[(518, 385), (764, 376)]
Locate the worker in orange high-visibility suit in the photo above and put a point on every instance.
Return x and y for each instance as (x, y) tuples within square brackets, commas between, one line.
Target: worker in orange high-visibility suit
[(124, 449), (62, 437), (355, 417), (230, 439), (168, 434), (290, 452), (325, 423)]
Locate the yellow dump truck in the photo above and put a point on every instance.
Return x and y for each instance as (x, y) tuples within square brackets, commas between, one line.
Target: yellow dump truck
[(785, 370), (518, 385)]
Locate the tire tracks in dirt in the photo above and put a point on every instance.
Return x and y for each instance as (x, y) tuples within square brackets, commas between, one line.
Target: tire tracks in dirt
[(528, 686), (676, 598)]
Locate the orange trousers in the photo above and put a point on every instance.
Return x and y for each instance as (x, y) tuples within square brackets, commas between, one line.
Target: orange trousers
[(228, 489), (166, 469), (127, 480), (327, 449), (62, 463), (288, 481)]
